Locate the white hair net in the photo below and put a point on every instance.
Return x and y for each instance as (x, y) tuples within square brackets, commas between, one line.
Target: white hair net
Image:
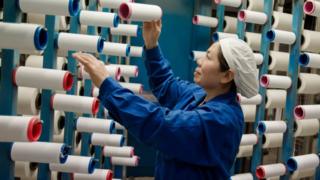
[(240, 58)]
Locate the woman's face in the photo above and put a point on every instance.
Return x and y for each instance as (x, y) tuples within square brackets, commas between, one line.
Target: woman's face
[(208, 74)]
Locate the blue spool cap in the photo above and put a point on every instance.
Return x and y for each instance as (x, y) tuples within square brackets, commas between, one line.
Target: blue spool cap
[(261, 128), (91, 165), (74, 7), (271, 35), (55, 41), (292, 164), (78, 17), (122, 141), (64, 153), (116, 21), (100, 45), (112, 127), (139, 31), (215, 37), (40, 38), (128, 50), (304, 59)]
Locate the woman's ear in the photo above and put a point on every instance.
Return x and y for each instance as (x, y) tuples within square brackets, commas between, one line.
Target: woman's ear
[(227, 77)]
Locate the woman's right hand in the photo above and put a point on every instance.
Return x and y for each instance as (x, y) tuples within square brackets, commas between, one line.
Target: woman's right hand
[(151, 33)]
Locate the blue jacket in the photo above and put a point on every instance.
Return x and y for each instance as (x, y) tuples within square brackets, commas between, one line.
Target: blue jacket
[(193, 142)]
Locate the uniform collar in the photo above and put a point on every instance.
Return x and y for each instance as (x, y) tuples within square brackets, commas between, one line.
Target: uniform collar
[(231, 95), (200, 95)]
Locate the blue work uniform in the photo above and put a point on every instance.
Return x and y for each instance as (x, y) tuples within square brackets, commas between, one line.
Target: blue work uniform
[(193, 141)]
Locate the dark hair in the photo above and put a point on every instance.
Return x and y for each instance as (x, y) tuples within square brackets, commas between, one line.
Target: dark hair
[(222, 61), (225, 67)]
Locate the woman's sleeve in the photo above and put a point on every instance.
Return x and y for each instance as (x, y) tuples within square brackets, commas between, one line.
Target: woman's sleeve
[(206, 136), (167, 88)]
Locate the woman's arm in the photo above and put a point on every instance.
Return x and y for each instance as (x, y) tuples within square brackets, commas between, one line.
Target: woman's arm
[(164, 85), (167, 88), (207, 136)]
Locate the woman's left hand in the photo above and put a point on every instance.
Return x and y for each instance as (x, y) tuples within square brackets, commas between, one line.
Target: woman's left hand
[(95, 68)]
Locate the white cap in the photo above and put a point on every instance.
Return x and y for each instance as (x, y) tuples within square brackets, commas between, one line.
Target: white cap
[(240, 58)]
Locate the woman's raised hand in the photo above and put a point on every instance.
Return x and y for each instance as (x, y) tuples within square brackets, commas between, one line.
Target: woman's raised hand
[(151, 33)]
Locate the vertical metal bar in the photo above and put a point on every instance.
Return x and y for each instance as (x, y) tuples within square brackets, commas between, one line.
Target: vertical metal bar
[(287, 146), (8, 95), (50, 56), (220, 16), (117, 173), (85, 140), (85, 137), (103, 57), (241, 26), (104, 34), (264, 50), (70, 117), (318, 151)]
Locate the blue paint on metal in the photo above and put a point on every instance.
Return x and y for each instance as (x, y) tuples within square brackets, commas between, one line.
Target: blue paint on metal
[(8, 95), (118, 170), (220, 16), (175, 39), (85, 144), (318, 149), (105, 35), (264, 50), (250, 27), (71, 116), (50, 56), (287, 146), (106, 163), (241, 26)]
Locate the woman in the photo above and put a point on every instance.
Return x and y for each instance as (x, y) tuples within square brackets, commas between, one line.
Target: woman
[(198, 127)]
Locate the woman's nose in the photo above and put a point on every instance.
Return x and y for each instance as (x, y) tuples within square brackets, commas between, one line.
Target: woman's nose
[(199, 61)]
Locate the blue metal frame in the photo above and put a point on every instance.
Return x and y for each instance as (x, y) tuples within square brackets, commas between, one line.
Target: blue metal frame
[(264, 50), (85, 138), (287, 146), (201, 38), (241, 26), (118, 170), (104, 34), (177, 17), (103, 57), (70, 117), (318, 168), (241, 30), (220, 16), (8, 95), (50, 56)]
